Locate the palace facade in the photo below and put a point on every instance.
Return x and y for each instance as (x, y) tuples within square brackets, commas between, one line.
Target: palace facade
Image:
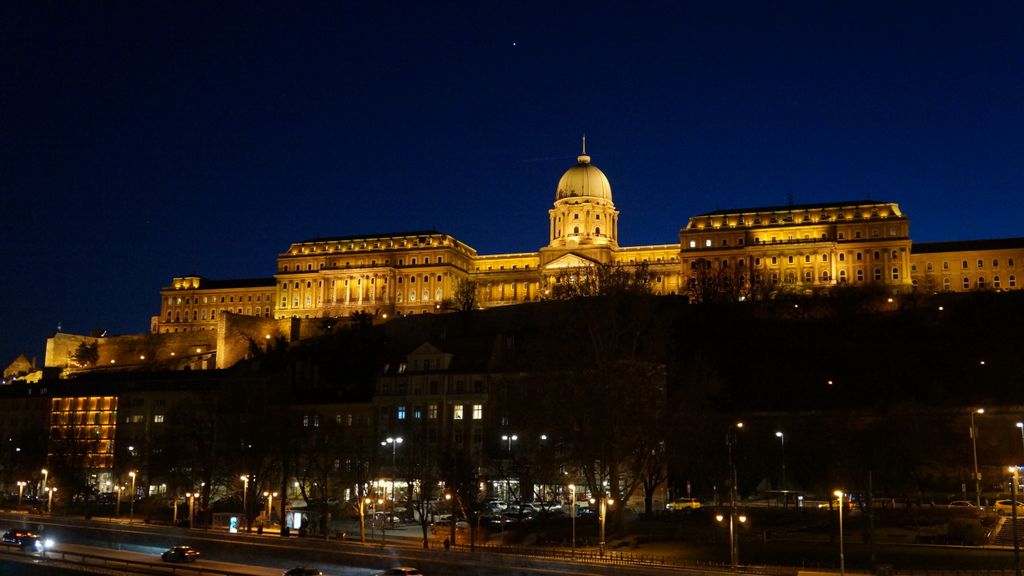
[(796, 247)]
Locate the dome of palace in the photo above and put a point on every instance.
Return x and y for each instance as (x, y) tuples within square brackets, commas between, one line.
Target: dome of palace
[(584, 180)]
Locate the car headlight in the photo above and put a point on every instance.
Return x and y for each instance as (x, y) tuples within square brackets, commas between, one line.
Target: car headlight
[(48, 543)]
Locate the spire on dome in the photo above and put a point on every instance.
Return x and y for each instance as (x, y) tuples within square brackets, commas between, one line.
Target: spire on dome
[(583, 158)]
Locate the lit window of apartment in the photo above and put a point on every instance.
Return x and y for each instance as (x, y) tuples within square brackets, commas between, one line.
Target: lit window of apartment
[(401, 413), (158, 418), (457, 412), (478, 411), (432, 412)]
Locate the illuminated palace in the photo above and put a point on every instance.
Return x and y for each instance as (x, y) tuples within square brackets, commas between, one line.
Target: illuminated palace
[(813, 246)]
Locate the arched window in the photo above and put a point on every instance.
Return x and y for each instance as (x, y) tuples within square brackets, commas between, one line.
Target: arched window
[(597, 231), (575, 229), (842, 276)]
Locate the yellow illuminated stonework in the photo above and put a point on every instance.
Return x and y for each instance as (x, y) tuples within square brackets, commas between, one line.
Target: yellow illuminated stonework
[(82, 430), (802, 247)]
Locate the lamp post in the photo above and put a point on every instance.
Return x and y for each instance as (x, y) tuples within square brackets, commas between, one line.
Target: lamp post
[(46, 474), (734, 551), (508, 439), (782, 443), (117, 507), (572, 491), (974, 450), (245, 500), (191, 507), (1015, 470), (21, 490), (49, 500), (842, 561), (602, 512), (270, 506), (362, 519), (1020, 425), (131, 502), (394, 442)]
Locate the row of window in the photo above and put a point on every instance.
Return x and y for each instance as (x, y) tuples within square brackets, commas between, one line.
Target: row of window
[(140, 418), (433, 387), (459, 411), (178, 301), (348, 263), (198, 315), (964, 264)]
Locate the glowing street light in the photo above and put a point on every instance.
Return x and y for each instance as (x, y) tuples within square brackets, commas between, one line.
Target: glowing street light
[(974, 449), (730, 441), (131, 502), (602, 513), (782, 442), (21, 490), (509, 439), (1020, 425), (49, 500), (363, 503), (572, 491), (191, 508), (270, 506), (46, 474), (245, 500), (394, 442), (842, 560)]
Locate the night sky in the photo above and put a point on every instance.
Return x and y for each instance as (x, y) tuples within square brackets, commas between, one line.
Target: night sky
[(145, 140)]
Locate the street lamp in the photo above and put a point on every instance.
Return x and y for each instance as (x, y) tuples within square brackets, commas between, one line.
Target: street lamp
[(46, 474), (974, 449), (509, 439), (842, 561), (131, 502), (245, 500), (572, 490), (1021, 426), (49, 501), (117, 508), (270, 506), (734, 552), (1015, 470), (362, 519), (21, 490), (191, 507), (602, 512), (782, 443), (394, 442)]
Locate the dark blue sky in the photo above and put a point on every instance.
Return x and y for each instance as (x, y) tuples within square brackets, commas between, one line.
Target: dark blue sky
[(144, 140)]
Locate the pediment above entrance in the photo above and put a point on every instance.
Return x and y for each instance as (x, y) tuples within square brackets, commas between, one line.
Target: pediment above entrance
[(570, 260)]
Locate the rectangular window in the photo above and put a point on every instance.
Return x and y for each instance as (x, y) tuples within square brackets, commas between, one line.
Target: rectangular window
[(401, 412), (995, 263), (432, 412), (981, 263), (158, 418), (967, 283), (457, 412), (478, 411)]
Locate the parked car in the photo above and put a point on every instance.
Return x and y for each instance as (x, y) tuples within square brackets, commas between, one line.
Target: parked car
[(683, 504), (302, 571), (180, 554), (401, 571), (1006, 507), (960, 504)]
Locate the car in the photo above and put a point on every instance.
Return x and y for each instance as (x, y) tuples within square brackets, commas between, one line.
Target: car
[(24, 540), (960, 504), (1006, 507), (180, 554), (401, 571), (302, 571), (683, 504)]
